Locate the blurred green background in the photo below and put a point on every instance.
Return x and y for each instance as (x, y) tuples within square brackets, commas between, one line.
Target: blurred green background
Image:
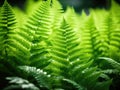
[(77, 4)]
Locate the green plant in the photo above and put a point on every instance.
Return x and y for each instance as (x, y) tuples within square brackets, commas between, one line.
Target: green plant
[(114, 72), (20, 83), (66, 45)]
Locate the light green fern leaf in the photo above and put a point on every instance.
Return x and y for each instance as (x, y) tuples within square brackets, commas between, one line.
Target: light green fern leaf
[(90, 39), (65, 47), (7, 30)]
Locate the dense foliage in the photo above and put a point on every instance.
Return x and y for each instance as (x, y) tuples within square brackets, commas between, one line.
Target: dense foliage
[(48, 48)]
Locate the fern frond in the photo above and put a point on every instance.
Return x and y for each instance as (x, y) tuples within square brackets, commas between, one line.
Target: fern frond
[(29, 38), (108, 29), (70, 15), (112, 62), (74, 20), (65, 47), (103, 85), (85, 75), (20, 83), (110, 71), (90, 39), (39, 56), (7, 29), (75, 85), (41, 77), (35, 33), (10, 42), (40, 21), (57, 16), (112, 34), (79, 68), (68, 48)]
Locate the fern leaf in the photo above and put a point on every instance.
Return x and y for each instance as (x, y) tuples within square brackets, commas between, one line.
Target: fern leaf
[(63, 49), (77, 86), (35, 34), (39, 75), (28, 38), (103, 85), (39, 56), (109, 33), (112, 62), (11, 43), (108, 28), (79, 69), (7, 28), (40, 21), (110, 71), (20, 83), (84, 74), (90, 39)]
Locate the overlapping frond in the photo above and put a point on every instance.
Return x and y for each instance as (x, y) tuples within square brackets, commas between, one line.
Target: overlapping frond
[(87, 76), (34, 34), (108, 29), (66, 58), (36, 31), (67, 48)]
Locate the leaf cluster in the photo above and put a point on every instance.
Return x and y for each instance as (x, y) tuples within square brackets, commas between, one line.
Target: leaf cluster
[(53, 49)]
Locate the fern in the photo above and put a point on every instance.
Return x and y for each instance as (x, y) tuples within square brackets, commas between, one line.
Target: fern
[(85, 75), (39, 23), (34, 79), (90, 39), (112, 62), (99, 86), (63, 47), (43, 80), (7, 41), (20, 83), (39, 27), (39, 57), (65, 55), (77, 86), (30, 37), (11, 44), (109, 32), (7, 29), (62, 43)]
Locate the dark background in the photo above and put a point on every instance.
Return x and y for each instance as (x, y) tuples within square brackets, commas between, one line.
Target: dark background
[(77, 4)]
